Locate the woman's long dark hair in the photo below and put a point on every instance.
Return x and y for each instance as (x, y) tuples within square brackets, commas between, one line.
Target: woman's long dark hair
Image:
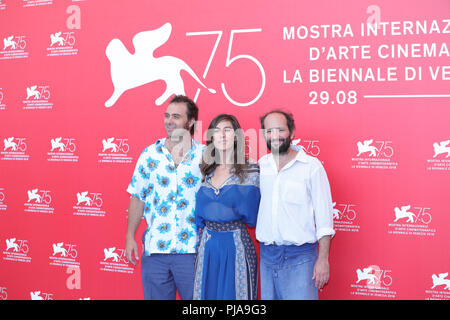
[(209, 159)]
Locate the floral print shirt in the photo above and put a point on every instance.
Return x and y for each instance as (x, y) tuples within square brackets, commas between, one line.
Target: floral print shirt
[(169, 196)]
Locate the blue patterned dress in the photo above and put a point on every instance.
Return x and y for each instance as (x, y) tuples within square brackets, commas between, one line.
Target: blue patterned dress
[(226, 263)]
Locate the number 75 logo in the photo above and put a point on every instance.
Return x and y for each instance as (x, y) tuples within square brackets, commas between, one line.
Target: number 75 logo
[(230, 60), (132, 70)]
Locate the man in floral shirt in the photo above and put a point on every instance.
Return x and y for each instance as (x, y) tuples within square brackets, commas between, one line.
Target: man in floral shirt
[(163, 188)]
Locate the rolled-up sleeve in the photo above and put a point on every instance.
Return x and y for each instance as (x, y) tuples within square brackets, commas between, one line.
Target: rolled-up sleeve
[(322, 203)]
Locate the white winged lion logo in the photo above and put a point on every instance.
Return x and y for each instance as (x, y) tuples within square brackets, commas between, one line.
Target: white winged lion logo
[(133, 70)]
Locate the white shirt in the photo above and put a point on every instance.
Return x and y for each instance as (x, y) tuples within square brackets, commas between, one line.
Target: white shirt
[(296, 206)]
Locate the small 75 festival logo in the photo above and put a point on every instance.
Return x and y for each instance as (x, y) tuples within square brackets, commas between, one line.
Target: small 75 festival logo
[(89, 204), (115, 145), (37, 98), (64, 250), (374, 276), (89, 201), (384, 148), (60, 144), (17, 250), (14, 144), (14, 47), (441, 280), (115, 150), (119, 256), (62, 150), (19, 246), (39, 295), (39, 201), (64, 254), (36, 92), (39, 196), (14, 42), (440, 289), (115, 261), (344, 215), (441, 154), (14, 149), (412, 220), (347, 212), (376, 282), (60, 39), (62, 44), (311, 147), (420, 214), (374, 154)]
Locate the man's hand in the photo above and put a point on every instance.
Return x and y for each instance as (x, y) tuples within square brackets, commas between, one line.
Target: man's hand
[(130, 250), (135, 212), (321, 272), (322, 267)]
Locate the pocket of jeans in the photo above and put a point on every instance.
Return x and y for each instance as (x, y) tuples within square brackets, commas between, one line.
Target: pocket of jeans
[(300, 258), (269, 255)]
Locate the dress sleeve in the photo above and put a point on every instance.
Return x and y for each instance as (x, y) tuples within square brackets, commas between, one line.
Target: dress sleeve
[(249, 197), (198, 219)]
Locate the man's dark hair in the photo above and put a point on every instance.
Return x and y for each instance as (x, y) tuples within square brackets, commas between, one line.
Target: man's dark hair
[(191, 109), (289, 119)]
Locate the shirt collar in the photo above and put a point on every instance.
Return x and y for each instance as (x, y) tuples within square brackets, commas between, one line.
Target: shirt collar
[(194, 143), (301, 154), (301, 157)]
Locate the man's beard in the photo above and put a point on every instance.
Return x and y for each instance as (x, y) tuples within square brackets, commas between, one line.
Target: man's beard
[(283, 147), (178, 133)]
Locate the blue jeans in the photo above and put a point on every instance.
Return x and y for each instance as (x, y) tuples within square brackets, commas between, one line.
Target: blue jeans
[(287, 271), (163, 274)]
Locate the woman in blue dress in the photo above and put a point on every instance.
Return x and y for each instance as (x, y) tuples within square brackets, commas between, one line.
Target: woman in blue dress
[(227, 201)]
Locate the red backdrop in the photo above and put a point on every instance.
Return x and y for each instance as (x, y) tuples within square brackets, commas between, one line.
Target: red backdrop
[(382, 133)]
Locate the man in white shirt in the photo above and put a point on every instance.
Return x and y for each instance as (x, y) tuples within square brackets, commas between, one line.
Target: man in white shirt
[(295, 216)]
